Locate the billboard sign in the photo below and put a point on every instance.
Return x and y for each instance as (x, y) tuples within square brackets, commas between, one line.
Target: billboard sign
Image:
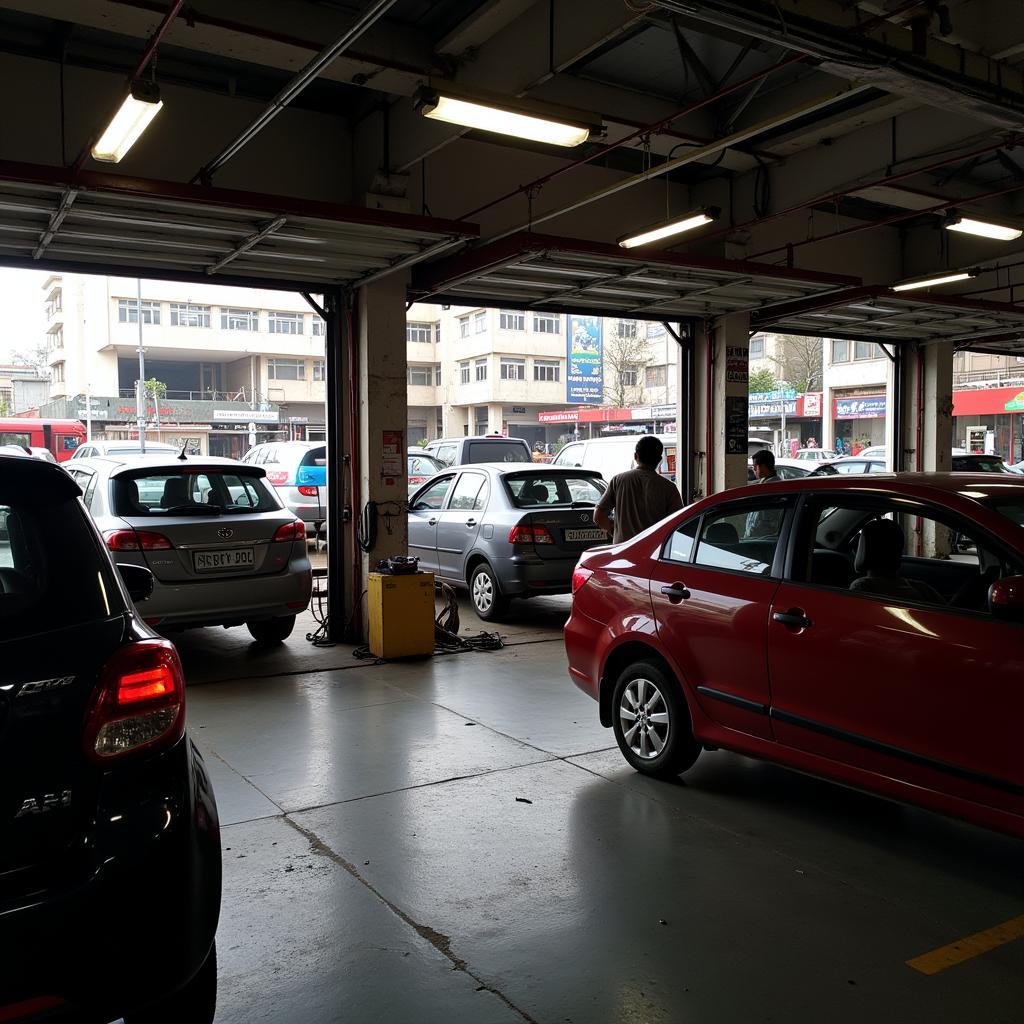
[(867, 408), (584, 381)]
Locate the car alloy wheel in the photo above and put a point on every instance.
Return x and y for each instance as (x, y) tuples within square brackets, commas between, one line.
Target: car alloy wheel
[(483, 591), (645, 719)]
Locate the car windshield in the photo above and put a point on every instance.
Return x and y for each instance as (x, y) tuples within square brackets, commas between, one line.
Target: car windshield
[(201, 491), (497, 451), (536, 490), (978, 464)]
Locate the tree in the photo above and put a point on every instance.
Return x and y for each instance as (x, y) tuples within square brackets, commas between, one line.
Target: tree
[(761, 380), (799, 361), (625, 359), (155, 391), (37, 357)]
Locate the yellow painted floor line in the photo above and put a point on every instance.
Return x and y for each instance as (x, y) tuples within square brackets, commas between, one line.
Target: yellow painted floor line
[(968, 948)]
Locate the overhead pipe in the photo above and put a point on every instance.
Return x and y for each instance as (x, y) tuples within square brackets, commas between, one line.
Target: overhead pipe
[(294, 88)]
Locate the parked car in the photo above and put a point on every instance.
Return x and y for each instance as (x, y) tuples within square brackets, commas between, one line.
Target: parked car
[(421, 467), (212, 531), (35, 453), (785, 469), (874, 451), (298, 469), (816, 454), (505, 532), (850, 464), (797, 622), (611, 455), (110, 858), (979, 464), (464, 451), (757, 444), (154, 449)]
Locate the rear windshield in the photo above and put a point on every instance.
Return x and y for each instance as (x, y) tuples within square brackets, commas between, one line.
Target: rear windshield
[(496, 451), (47, 554), (315, 457), (537, 490), (978, 464), (192, 492)]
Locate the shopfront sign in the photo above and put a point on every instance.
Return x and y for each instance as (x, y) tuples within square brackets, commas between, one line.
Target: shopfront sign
[(868, 407), (766, 410), (584, 379), (242, 414), (1015, 404), (561, 416), (518, 410)]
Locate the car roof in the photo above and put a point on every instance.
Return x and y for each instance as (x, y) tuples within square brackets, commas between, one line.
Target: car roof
[(123, 463), (976, 486), (523, 467), (34, 481), (476, 437)]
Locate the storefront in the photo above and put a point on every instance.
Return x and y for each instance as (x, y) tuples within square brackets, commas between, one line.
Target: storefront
[(989, 420), (572, 424), (858, 419), (783, 417)]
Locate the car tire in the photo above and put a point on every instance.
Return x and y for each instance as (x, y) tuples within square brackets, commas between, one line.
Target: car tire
[(195, 1002), (484, 593), (271, 631), (651, 721)]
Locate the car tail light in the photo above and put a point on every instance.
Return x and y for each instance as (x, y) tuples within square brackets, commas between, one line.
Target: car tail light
[(139, 703), (417, 480), (277, 477), (137, 540), (580, 576), (530, 535), (291, 531), (308, 492)]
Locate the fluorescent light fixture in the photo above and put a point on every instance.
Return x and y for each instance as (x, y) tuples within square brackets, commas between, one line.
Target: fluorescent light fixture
[(140, 106), (503, 115), (969, 226), (930, 282), (687, 222)]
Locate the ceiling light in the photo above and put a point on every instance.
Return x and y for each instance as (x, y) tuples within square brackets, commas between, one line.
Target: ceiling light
[(930, 282), (985, 229), (506, 115), (140, 106), (687, 222)]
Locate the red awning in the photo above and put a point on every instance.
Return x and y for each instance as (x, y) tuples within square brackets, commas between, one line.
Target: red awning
[(987, 402)]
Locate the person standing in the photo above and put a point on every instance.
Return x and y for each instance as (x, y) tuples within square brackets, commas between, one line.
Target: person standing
[(764, 467), (764, 522), (640, 497)]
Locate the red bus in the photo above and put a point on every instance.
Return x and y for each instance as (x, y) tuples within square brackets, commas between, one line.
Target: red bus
[(62, 437)]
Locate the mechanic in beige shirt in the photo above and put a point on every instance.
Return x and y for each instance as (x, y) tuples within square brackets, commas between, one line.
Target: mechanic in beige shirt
[(640, 497)]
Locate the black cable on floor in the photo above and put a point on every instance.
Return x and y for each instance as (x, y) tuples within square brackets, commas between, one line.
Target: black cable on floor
[(445, 643)]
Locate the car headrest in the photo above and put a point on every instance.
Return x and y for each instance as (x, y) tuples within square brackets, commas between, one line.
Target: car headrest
[(880, 548), (175, 493), (722, 533)]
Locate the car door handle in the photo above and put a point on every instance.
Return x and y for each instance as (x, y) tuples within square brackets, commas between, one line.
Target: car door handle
[(431, 522), (470, 522), (676, 593), (794, 619)]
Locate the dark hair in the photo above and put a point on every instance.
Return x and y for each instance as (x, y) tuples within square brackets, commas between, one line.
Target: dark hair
[(649, 450), (764, 458)]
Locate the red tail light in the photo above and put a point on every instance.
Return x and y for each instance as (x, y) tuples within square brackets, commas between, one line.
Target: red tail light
[(417, 480), (137, 540), (580, 576), (530, 535), (139, 703), (308, 492), (291, 531), (277, 477)]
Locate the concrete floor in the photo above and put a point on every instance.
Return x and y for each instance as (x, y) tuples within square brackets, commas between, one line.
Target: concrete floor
[(458, 840)]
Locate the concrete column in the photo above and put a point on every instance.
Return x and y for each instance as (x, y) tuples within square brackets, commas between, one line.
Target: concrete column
[(383, 413)]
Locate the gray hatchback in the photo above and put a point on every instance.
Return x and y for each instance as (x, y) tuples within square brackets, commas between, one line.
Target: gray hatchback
[(222, 550), (505, 532)]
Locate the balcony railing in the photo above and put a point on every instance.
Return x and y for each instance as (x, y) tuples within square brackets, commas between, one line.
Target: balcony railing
[(244, 395), (1001, 377)]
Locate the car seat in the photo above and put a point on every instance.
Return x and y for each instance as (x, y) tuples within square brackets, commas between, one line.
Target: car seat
[(175, 493), (722, 535), (972, 594), (879, 558), (538, 494)]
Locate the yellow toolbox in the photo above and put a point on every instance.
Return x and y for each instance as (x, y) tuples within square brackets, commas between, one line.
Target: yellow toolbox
[(401, 614)]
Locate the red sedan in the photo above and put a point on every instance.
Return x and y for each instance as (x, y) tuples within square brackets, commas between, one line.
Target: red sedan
[(866, 629)]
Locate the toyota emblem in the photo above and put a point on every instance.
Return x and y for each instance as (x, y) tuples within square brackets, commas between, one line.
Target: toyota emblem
[(225, 532), (584, 518)]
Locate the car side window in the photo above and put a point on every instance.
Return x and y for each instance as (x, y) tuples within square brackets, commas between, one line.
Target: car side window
[(742, 540), (445, 454), (466, 492), (431, 499), (679, 546), (570, 455)]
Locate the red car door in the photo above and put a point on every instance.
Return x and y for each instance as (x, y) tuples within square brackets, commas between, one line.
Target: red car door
[(712, 601), (911, 689)]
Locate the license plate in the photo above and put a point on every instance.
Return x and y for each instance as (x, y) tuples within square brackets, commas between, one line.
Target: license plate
[(585, 535), (212, 561)]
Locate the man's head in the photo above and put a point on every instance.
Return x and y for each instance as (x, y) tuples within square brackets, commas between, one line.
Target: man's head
[(649, 451), (764, 464)]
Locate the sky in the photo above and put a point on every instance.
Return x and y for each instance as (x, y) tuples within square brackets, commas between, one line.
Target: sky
[(21, 299)]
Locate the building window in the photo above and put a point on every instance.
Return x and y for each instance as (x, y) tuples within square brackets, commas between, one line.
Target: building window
[(626, 328), (547, 369), (319, 369), (481, 369), (319, 327), (510, 320), (840, 351), (419, 376), (756, 348), (463, 373), (463, 326), (654, 329), (128, 312), (628, 378), (437, 375), (58, 373), (479, 322), (55, 339), (239, 320), (513, 369), (866, 350), (284, 323), (55, 303), (547, 323), (420, 332), (656, 376), (286, 369), (189, 314)]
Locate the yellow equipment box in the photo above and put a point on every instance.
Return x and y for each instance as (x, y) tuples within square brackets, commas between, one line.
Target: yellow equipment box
[(401, 613)]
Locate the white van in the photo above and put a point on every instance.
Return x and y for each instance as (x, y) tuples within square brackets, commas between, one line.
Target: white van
[(611, 455)]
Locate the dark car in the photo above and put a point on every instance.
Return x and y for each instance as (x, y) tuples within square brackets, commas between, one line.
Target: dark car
[(821, 624), (854, 464), (979, 464), (110, 869)]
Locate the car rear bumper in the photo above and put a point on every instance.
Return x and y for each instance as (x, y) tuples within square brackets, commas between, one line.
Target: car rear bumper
[(584, 652), (141, 921), (527, 575)]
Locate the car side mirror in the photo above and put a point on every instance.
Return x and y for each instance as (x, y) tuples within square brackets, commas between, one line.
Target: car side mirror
[(1006, 599), (138, 580)]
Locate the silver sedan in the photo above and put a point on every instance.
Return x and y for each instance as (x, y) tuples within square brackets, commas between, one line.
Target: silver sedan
[(505, 530), (222, 549)]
